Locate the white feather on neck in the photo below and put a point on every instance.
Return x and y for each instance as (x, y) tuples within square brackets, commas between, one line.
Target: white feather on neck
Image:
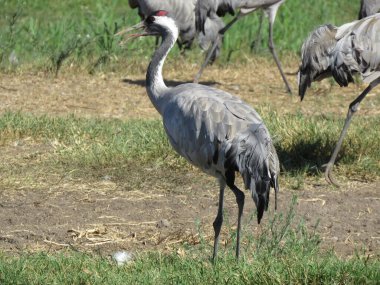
[(156, 86)]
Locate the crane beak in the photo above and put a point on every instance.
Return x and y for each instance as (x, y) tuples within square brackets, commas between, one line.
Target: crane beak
[(139, 26)]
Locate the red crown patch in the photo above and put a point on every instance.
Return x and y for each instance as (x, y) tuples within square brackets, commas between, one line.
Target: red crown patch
[(161, 13)]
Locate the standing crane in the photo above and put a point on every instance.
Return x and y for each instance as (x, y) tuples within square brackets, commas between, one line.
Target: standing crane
[(183, 12), (212, 129), (215, 8), (341, 52), (368, 8)]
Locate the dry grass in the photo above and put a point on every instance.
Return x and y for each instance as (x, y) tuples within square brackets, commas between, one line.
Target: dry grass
[(116, 95)]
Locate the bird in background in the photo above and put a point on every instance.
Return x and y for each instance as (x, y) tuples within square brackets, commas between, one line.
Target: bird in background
[(341, 52), (369, 8), (218, 8), (212, 129), (183, 13)]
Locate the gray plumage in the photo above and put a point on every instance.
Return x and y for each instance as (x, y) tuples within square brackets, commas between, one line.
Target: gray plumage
[(341, 52), (213, 130), (369, 8), (183, 12), (207, 39), (214, 9)]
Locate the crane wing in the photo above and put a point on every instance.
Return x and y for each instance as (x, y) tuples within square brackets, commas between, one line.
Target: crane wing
[(211, 9), (198, 122), (212, 28), (357, 50), (316, 56), (368, 8), (216, 131)]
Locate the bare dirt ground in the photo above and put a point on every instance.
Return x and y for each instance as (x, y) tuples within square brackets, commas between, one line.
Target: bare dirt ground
[(53, 212)]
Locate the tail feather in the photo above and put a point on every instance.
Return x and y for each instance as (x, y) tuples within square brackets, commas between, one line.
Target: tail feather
[(207, 39), (304, 81), (262, 199), (252, 153)]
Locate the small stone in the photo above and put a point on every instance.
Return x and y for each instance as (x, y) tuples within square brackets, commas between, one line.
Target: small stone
[(122, 257), (107, 178), (18, 143), (334, 239)]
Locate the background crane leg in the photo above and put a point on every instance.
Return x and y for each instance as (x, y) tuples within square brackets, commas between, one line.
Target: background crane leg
[(256, 44), (351, 111), (273, 51)]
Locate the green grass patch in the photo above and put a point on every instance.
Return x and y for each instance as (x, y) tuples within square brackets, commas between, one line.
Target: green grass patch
[(303, 143), (50, 34), (281, 254)]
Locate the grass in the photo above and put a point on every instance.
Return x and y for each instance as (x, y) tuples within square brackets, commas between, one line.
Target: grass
[(91, 145), (49, 35), (158, 268), (281, 254)]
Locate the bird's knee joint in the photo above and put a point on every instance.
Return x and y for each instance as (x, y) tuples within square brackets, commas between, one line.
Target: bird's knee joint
[(218, 223), (354, 108)]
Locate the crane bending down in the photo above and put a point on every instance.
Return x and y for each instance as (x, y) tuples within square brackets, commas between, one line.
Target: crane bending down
[(340, 52), (212, 129), (369, 8), (215, 8), (183, 12)]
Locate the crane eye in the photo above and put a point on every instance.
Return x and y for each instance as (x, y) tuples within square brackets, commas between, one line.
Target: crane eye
[(150, 19)]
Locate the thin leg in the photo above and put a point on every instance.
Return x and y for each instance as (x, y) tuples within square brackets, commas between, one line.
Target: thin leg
[(273, 51), (257, 42), (240, 202), (212, 49), (351, 111), (219, 218)]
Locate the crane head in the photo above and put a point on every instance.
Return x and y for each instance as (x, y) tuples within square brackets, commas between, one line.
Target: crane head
[(156, 24)]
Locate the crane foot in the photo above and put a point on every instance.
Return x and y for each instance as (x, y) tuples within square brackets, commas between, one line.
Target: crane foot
[(328, 175)]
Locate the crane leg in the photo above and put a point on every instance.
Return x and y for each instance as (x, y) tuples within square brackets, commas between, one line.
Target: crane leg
[(256, 43), (219, 218), (351, 111), (240, 197), (273, 51), (212, 49)]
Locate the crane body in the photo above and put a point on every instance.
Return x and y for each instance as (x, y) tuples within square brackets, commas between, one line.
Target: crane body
[(218, 8), (341, 52), (212, 129), (369, 8), (182, 11)]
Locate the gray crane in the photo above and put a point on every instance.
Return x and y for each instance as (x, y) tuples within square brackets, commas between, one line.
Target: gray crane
[(369, 8), (212, 129), (341, 52), (183, 12), (215, 8)]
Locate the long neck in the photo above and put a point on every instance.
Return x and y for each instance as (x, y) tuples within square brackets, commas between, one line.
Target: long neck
[(155, 84)]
